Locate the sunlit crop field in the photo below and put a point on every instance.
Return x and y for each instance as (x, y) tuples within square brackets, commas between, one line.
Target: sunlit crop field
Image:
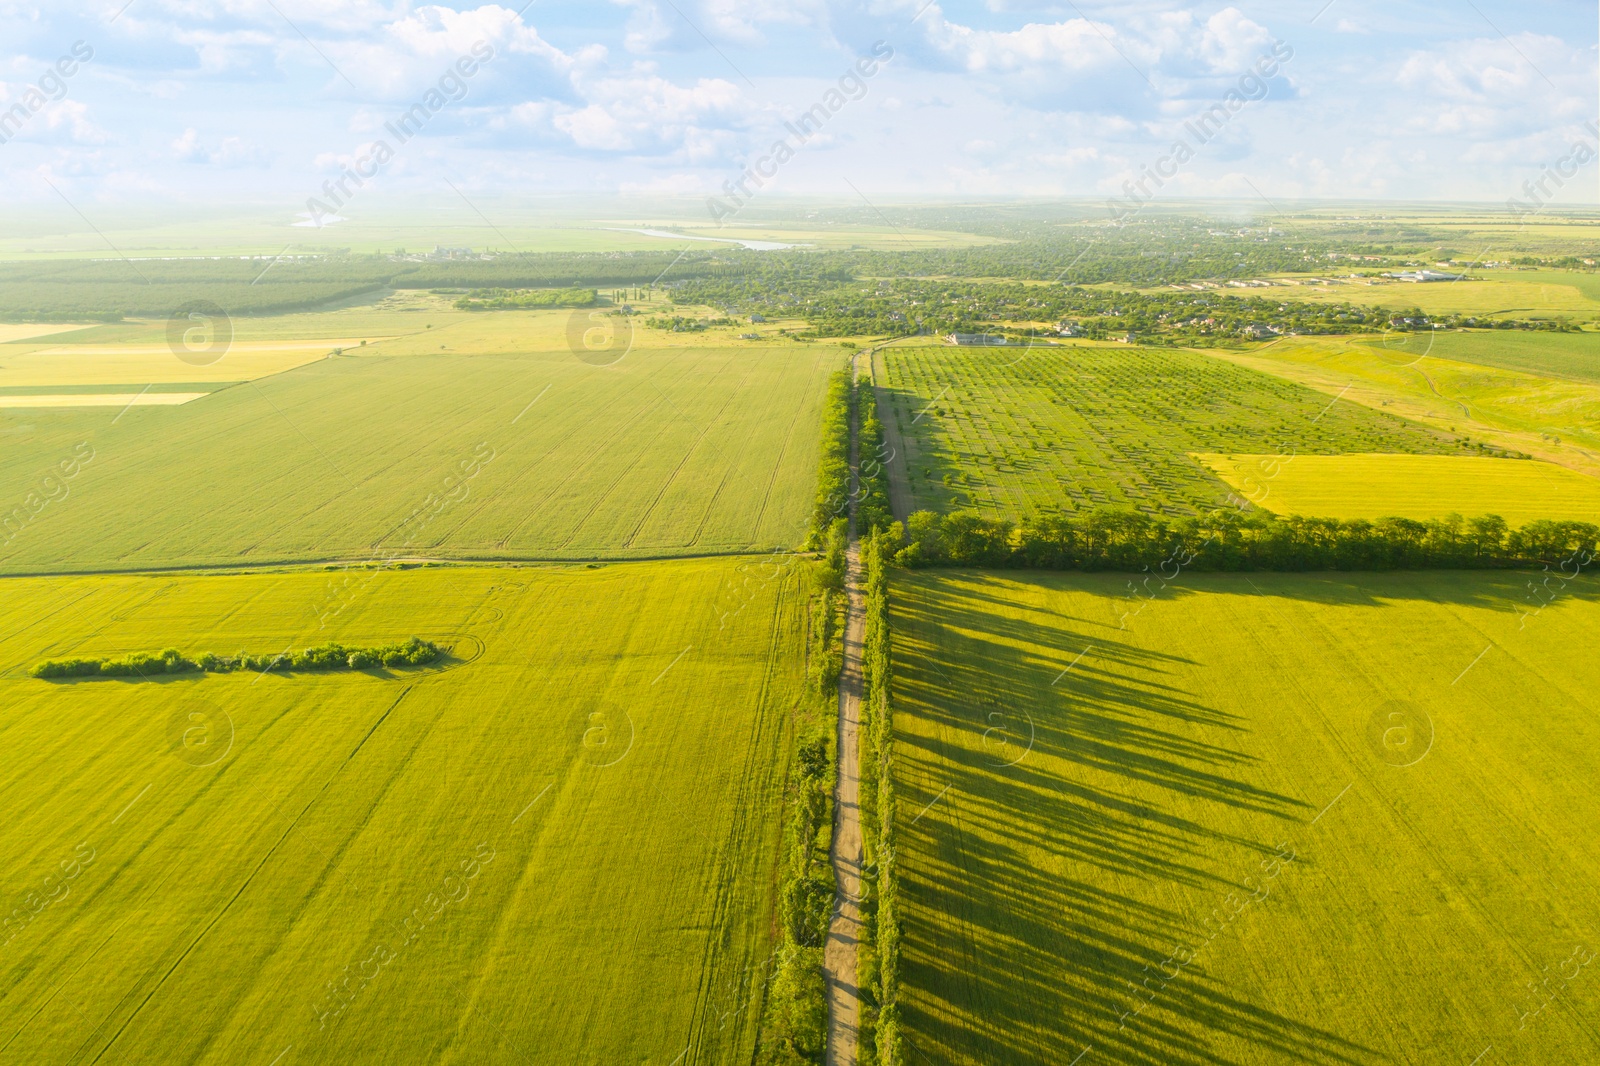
[(1410, 486), (1270, 819), (478, 443), (559, 846)]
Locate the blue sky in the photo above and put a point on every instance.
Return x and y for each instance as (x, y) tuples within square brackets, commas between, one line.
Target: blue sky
[(188, 101)]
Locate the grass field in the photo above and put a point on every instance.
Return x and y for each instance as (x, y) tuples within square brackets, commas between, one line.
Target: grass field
[(1013, 434), (560, 849), (1092, 818), (1549, 417), (1575, 356), (485, 437), (1410, 486)]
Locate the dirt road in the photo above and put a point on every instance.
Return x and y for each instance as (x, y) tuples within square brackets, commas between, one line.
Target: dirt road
[(844, 932)]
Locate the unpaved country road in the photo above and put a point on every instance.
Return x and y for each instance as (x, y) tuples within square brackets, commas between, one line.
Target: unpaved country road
[(844, 932)]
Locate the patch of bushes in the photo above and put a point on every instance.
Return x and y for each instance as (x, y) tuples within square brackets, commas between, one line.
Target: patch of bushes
[(524, 299), (415, 652), (1232, 540)]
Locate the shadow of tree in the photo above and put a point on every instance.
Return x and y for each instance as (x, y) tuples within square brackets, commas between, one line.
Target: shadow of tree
[(1031, 811)]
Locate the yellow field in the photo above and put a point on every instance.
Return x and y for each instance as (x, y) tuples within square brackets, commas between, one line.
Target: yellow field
[(100, 399), (28, 330), (1410, 486), (488, 862), (1094, 818), (144, 363)]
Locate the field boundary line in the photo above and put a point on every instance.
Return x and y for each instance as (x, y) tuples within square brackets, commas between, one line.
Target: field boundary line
[(296, 565)]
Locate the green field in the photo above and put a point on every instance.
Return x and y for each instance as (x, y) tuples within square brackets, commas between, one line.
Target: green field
[(1014, 433), (1410, 486), (1538, 414), (1560, 355), (581, 815), (1069, 826), (486, 439)]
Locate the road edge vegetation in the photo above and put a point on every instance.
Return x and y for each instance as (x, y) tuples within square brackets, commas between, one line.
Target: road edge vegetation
[(878, 970), (794, 1024)]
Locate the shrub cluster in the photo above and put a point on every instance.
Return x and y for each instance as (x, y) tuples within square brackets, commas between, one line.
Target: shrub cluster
[(415, 652), (519, 299), (1229, 539), (878, 964)]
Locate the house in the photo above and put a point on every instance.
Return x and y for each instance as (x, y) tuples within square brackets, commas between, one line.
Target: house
[(757, 318), (749, 336), (1069, 329), (1256, 331), (968, 340), (1416, 276)]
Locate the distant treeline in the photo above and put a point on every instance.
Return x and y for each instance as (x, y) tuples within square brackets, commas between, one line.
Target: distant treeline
[(107, 290), (1142, 254), (415, 652), (1230, 540)]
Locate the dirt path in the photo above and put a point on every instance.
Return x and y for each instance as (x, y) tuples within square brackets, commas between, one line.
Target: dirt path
[(899, 479), (839, 954)]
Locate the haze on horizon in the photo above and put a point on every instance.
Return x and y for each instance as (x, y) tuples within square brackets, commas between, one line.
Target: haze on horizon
[(350, 107)]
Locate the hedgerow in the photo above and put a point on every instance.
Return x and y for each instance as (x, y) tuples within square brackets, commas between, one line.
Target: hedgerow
[(415, 652), (1230, 539), (878, 964), (833, 474)]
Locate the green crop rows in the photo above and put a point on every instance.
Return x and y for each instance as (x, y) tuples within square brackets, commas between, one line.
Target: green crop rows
[(680, 452), (1013, 433)]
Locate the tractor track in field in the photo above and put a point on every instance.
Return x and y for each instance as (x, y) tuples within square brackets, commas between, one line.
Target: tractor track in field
[(845, 929), (296, 565)]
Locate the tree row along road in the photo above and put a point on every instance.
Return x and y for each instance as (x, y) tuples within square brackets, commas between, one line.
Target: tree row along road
[(844, 931)]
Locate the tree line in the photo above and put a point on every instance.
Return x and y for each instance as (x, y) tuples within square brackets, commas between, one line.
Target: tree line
[(1231, 539)]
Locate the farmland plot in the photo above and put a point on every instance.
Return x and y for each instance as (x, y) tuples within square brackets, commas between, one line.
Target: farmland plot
[(1014, 433), (505, 455), (560, 845), (1270, 819)]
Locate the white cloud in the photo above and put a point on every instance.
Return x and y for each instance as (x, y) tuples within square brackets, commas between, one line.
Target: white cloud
[(232, 152)]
